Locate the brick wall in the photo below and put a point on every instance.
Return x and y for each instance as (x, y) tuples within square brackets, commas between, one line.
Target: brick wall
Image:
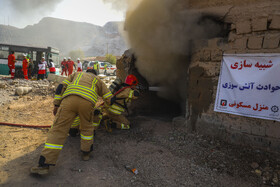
[(255, 34)]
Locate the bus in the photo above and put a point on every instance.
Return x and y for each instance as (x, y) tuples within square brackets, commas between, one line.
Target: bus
[(36, 54)]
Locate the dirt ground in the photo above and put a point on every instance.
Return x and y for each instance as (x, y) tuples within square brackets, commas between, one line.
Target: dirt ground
[(163, 153)]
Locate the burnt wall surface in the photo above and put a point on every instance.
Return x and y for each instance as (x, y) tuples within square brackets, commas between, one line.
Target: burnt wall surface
[(255, 28)]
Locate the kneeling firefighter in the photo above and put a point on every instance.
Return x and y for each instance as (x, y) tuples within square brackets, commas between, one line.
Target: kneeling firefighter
[(123, 94), (75, 96)]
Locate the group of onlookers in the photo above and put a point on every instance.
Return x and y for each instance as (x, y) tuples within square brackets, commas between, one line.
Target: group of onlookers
[(68, 66), (28, 66)]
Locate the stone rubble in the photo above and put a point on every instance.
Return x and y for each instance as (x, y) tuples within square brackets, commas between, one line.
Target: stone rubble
[(13, 89)]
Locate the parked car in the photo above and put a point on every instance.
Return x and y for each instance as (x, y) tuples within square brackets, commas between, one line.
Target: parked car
[(111, 69)]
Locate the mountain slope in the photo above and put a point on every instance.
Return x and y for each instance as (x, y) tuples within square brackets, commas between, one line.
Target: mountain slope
[(66, 36)]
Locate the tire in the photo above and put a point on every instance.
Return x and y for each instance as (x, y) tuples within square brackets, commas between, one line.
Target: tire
[(114, 73)]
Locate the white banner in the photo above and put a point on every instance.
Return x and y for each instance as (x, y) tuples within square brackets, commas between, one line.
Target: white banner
[(249, 85)]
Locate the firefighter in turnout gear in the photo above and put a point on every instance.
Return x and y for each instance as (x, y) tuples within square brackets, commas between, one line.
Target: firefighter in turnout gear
[(75, 96), (123, 95)]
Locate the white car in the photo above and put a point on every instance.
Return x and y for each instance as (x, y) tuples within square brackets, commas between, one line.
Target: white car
[(111, 69)]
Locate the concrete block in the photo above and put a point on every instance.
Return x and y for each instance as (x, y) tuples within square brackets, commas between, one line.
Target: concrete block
[(275, 23), (271, 41), (259, 24), (216, 55), (199, 44), (241, 128), (212, 69), (23, 90), (232, 36), (232, 26), (273, 130), (205, 55), (215, 42), (255, 42), (240, 43), (258, 130), (243, 27)]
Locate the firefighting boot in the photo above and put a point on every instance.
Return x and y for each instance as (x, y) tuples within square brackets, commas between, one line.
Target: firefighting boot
[(73, 132), (85, 156), (40, 170), (108, 126)]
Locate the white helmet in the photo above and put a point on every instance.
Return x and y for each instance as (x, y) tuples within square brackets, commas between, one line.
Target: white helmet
[(24, 55), (78, 58), (69, 58), (64, 58)]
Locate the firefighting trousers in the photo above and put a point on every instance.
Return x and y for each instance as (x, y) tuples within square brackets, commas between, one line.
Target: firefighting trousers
[(70, 107), (120, 120), (12, 70), (70, 71), (95, 123), (64, 71), (25, 73)]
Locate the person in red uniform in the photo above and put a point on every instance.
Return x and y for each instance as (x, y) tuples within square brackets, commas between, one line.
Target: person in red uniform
[(11, 63), (25, 67), (70, 64), (64, 66)]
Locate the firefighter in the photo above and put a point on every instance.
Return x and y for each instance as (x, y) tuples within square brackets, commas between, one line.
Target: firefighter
[(123, 96), (70, 64), (25, 67), (64, 66), (76, 95), (96, 67), (11, 64), (105, 69), (79, 65)]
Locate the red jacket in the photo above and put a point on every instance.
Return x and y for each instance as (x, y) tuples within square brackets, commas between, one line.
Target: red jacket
[(70, 64), (24, 64), (64, 63), (11, 60)]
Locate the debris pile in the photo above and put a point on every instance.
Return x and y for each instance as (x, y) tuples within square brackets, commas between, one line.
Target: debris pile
[(15, 89), (107, 79)]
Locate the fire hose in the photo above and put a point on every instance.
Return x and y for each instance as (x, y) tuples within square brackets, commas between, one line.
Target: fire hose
[(24, 125)]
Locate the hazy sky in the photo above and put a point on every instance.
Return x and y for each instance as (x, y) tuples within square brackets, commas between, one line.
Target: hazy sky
[(20, 13)]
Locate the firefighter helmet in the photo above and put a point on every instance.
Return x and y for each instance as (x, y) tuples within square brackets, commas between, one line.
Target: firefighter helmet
[(131, 80)]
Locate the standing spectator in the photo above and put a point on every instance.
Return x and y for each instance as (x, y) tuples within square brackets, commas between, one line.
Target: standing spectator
[(46, 65), (11, 64), (79, 65), (42, 69), (64, 66), (70, 64), (105, 69), (30, 69), (51, 67), (25, 67)]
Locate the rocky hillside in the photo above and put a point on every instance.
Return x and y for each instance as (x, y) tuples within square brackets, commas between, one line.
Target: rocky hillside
[(67, 35)]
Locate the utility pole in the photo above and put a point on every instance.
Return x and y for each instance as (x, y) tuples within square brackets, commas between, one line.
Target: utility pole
[(107, 48)]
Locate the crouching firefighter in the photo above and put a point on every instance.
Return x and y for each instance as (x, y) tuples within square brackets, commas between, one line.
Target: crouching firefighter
[(76, 95), (124, 93)]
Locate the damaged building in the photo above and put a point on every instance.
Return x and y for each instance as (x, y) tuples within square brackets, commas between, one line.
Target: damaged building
[(179, 49)]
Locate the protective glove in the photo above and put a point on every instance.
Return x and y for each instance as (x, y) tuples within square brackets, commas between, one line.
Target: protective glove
[(96, 112), (136, 93)]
